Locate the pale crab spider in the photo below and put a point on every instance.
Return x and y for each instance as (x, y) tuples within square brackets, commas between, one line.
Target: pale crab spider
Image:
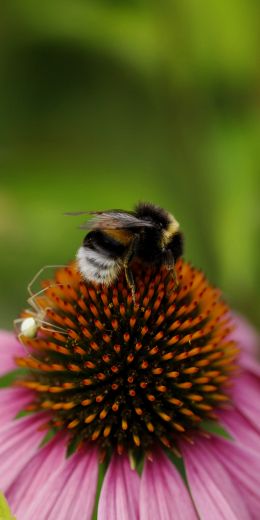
[(28, 327)]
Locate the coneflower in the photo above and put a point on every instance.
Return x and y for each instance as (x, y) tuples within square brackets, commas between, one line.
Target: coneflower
[(145, 390)]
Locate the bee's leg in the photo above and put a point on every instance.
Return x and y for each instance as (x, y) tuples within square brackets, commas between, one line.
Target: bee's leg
[(130, 281), (175, 277), (170, 265), (127, 259)]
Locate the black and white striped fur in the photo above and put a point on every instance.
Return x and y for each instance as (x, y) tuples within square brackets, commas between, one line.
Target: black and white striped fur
[(100, 258)]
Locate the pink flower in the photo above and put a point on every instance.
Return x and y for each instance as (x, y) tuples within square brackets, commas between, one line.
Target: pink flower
[(222, 475)]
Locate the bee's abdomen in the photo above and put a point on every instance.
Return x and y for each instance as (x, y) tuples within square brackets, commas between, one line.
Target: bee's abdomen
[(104, 244), (99, 259)]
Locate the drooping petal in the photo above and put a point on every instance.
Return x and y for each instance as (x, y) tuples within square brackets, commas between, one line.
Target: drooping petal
[(250, 364), (243, 464), (119, 498), (19, 440), (240, 429), (12, 401), (246, 335), (24, 488), (78, 485), (163, 494), (52, 487), (214, 494), (9, 348), (245, 395), (249, 343)]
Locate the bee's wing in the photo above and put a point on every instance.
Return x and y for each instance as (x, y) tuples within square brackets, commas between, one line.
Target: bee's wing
[(112, 219), (96, 213)]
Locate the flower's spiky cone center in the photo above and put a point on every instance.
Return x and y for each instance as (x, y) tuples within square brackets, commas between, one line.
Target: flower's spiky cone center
[(127, 376)]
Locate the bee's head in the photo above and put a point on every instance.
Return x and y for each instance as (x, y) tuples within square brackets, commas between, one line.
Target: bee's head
[(161, 219)]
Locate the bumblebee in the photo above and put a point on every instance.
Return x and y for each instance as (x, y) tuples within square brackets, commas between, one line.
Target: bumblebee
[(117, 237)]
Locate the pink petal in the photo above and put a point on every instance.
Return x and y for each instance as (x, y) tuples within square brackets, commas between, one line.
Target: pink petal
[(249, 342), (78, 488), (244, 466), (245, 395), (12, 401), (214, 494), (52, 487), (24, 489), (120, 491), (9, 348), (250, 364), (245, 335), (240, 429), (19, 441), (164, 492)]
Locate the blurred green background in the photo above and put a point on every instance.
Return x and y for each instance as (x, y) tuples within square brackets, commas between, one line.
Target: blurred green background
[(104, 103)]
